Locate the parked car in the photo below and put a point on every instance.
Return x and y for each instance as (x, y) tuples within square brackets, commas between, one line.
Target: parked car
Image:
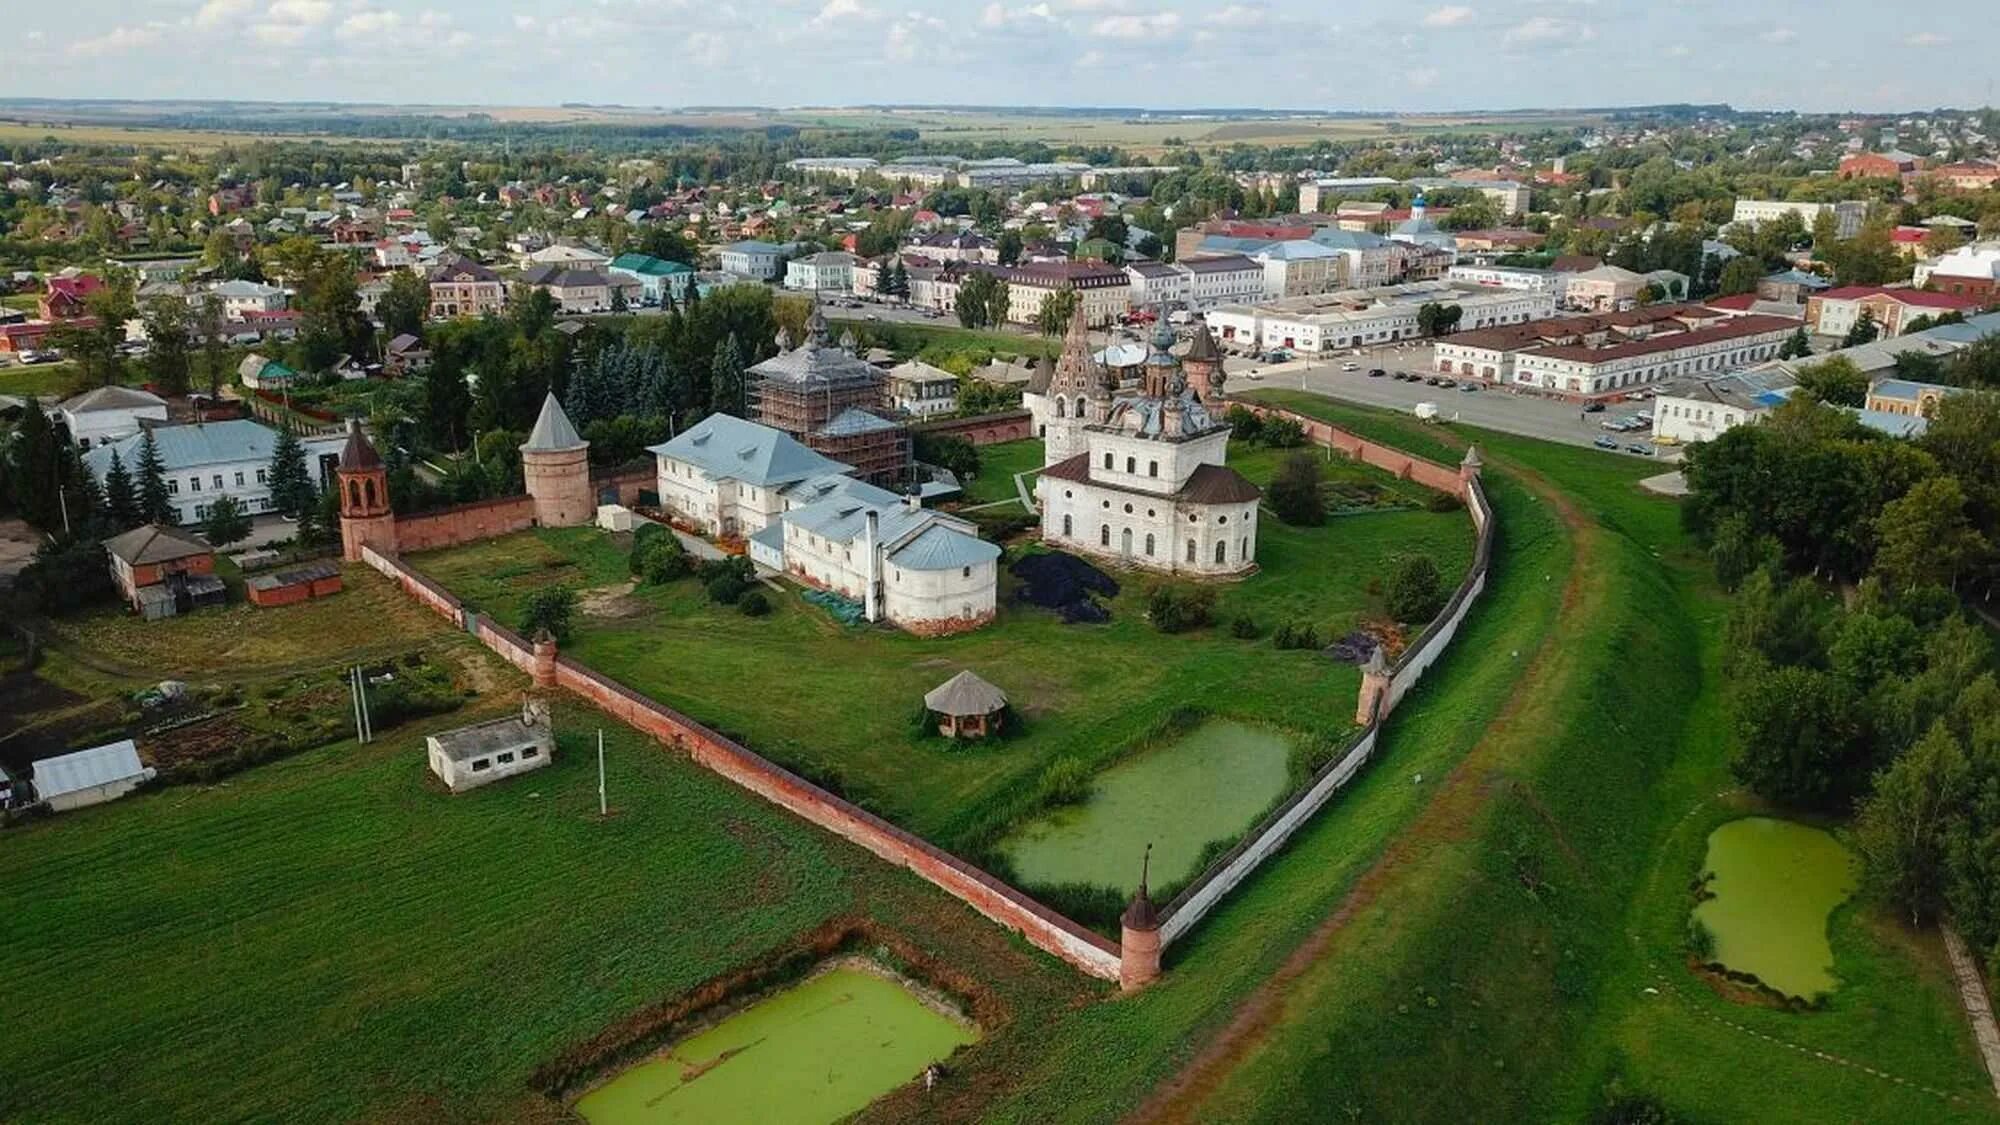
[(1278, 355), (1350, 366), (1593, 408), (1640, 448), (1464, 388), (1447, 384), (1606, 442), (1376, 373)]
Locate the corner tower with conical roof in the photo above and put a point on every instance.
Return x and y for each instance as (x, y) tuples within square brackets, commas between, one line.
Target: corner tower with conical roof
[(363, 480), (555, 466), (1203, 364), (1139, 935)]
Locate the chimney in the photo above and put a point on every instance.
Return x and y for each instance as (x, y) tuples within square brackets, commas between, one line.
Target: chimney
[(869, 574), (913, 502)]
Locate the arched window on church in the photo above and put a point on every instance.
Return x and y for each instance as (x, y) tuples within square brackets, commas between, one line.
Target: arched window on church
[(1131, 464), (1152, 468), (368, 490), (1125, 542), (1244, 555), (1066, 531), (1149, 544), (1104, 535), (1221, 552), (1191, 550), (1107, 460), (354, 494), (1062, 407)]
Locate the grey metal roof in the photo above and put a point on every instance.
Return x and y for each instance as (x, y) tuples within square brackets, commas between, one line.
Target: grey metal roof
[(506, 733), (85, 769), (153, 543), (751, 246), (855, 421), (938, 547), (724, 446), (965, 694), (113, 398), (553, 431), (202, 443), (817, 362)]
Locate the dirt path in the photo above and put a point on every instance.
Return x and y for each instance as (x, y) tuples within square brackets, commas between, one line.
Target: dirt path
[(1457, 801), (1978, 1008)]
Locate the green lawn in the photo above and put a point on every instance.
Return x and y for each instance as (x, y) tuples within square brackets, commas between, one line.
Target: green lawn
[(333, 938), (1519, 986), (841, 700), (997, 466), (39, 379)]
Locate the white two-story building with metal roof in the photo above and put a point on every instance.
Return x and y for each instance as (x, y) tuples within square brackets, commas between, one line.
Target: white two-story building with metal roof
[(805, 516)]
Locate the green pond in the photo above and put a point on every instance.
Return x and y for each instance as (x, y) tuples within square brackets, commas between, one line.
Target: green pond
[(811, 1054), (1775, 883), (1208, 784)]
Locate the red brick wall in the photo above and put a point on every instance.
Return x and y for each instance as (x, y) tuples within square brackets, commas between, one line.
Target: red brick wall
[(466, 523), (1430, 474), (628, 484), (416, 585), (983, 429), (149, 574)]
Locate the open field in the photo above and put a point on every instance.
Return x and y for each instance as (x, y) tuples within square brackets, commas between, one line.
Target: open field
[(334, 938), (997, 466), (844, 715), (1511, 973)]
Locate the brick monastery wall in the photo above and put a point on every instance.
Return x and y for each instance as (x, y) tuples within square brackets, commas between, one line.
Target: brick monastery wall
[(627, 484), (981, 429), (1236, 865), (465, 523)]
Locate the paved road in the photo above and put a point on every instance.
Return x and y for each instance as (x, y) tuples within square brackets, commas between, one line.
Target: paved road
[(1489, 407)]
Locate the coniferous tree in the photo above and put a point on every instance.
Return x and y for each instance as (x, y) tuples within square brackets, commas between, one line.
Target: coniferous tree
[(292, 491), (37, 460), (227, 522), (727, 381), (155, 504), (121, 495)]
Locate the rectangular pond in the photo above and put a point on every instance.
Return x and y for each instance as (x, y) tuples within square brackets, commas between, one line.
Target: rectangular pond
[(813, 1053), (1209, 784)]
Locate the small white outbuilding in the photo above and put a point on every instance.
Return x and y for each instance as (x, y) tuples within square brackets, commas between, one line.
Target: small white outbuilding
[(473, 756), (90, 777)]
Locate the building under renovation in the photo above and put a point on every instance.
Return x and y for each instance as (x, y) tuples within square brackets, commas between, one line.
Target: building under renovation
[(833, 401)]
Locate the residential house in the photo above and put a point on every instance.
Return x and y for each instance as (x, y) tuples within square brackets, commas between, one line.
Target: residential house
[(1972, 270), (105, 414), (658, 279), (203, 460), (163, 571), (574, 290), (1848, 214), (1892, 165), (463, 287), (1835, 311), (827, 271), (405, 355), (1604, 289), (67, 296), (1791, 286), (566, 255), (752, 258), (922, 391), (240, 299)]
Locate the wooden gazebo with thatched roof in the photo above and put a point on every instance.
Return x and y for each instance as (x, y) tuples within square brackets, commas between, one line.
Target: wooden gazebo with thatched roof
[(967, 706)]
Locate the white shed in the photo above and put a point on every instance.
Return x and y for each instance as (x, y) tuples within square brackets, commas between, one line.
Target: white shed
[(90, 777), (472, 756)]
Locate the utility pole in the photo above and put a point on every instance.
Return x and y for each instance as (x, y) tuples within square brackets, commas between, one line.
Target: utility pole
[(602, 809)]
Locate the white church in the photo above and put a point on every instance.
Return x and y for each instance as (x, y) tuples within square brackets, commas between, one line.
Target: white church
[(1138, 475), (804, 515)]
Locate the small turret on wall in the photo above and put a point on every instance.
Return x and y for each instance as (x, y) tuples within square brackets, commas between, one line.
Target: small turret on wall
[(1139, 935), (365, 517), (555, 467)]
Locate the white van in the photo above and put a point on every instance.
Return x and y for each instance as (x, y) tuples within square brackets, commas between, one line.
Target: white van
[(1428, 411)]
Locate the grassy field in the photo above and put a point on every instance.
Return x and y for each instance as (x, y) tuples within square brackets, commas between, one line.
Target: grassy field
[(906, 338), (1524, 944), (843, 714), (333, 938), (997, 466), (39, 379), (177, 140)]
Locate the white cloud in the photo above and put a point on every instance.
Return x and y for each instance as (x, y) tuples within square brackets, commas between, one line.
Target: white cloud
[(313, 12), (117, 41), (1926, 39), (368, 23), (707, 49), (997, 15), (1540, 30), (1239, 15), (1451, 15), (836, 11), (1779, 35), (1089, 59), (215, 13), (280, 34), (1137, 27), (1679, 51)]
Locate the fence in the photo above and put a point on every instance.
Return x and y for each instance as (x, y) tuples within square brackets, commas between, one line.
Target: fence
[(1260, 843)]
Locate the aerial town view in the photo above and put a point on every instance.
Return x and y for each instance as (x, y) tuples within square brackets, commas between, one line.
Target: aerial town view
[(629, 562)]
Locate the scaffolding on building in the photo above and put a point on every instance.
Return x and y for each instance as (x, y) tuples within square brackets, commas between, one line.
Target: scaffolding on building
[(832, 400)]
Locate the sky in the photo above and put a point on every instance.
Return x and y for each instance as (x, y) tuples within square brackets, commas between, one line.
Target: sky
[(1301, 54)]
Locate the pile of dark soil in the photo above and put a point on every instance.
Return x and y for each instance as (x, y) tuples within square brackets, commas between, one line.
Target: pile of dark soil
[(1065, 584), (1353, 648)]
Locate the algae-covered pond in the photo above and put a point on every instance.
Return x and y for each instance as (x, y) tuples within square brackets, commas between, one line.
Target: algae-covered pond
[(1209, 784), (811, 1054), (1775, 884)]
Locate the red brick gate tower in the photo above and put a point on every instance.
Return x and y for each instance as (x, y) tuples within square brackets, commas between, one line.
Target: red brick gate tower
[(365, 518)]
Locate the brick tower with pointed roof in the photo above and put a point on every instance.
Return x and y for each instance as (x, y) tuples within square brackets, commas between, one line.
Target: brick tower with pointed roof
[(1074, 395), (1203, 364), (555, 466), (1139, 935), (365, 517)]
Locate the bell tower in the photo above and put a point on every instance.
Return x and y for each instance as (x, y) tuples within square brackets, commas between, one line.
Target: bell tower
[(363, 480)]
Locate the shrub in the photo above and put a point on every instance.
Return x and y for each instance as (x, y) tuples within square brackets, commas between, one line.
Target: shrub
[(1283, 433), (1701, 940), (1297, 635), (1065, 782), (1443, 502), (725, 589), (1310, 755), (1244, 425), (1295, 493), (1416, 593), (753, 604), (643, 537), (1176, 609), (662, 559), (735, 566), (552, 608), (1244, 627)]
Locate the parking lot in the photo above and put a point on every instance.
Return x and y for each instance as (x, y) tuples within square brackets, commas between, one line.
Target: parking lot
[(1491, 407)]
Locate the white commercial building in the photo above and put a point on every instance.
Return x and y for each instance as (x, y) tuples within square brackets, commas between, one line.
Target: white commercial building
[(1848, 214), (202, 461), (1588, 369), (1353, 318), (105, 414), (1221, 279), (803, 515), (751, 259), (829, 270), (1314, 194), (1157, 284), (1510, 277)]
